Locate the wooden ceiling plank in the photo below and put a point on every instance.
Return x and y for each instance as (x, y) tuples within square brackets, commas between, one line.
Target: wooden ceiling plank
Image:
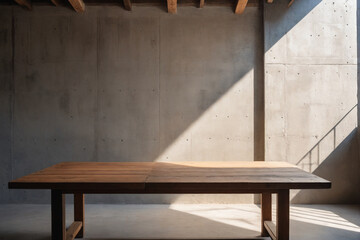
[(78, 5), (240, 6), (127, 4), (57, 2), (24, 3), (202, 3), (172, 6)]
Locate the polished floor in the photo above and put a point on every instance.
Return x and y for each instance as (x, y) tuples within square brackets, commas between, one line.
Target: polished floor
[(315, 222)]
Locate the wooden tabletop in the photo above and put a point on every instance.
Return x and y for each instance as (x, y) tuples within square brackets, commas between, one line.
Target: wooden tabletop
[(166, 177)]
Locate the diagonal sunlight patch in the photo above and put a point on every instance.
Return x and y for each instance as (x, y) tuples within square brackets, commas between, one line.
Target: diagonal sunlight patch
[(246, 216), (322, 217), (224, 132), (301, 125), (289, 27)]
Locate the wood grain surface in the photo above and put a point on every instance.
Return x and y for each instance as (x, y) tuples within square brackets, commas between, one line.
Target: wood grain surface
[(166, 177)]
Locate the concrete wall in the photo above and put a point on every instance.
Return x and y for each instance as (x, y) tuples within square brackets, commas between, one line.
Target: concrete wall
[(311, 88), (112, 85), (6, 88), (358, 65)]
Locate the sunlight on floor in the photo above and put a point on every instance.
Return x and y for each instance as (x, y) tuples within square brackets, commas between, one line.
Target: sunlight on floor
[(182, 221), (248, 216), (239, 215), (322, 217)]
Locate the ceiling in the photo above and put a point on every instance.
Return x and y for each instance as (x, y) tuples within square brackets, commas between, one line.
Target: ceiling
[(171, 5)]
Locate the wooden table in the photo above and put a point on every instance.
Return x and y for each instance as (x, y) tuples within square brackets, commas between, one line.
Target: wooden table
[(79, 178)]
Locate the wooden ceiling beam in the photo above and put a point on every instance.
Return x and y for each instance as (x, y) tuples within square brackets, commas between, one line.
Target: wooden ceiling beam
[(24, 3), (127, 4), (172, 6), (78, 5), (240, 6), (57, 2)]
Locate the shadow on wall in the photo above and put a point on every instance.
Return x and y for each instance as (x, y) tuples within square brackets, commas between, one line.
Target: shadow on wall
[(339, 168), (146, 86), (326, 145), (139, 82), (333, 157), (180, 95), (341, 165)]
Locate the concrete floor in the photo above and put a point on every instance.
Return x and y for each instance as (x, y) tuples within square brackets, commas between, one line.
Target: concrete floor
[(181, 221)]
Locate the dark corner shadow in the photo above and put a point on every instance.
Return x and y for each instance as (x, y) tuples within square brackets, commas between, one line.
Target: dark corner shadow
[(186, 225), (280, 18), (341, 169), (23, 236), (316, 147)]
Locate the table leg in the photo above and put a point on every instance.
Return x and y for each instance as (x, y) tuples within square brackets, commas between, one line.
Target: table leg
[(265, 212), (283, 212), (58, 231), (79, 212)]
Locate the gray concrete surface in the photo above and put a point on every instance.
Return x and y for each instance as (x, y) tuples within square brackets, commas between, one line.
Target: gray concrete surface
[(5, 101), (311, 93), (112, 85), (317, 222)]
